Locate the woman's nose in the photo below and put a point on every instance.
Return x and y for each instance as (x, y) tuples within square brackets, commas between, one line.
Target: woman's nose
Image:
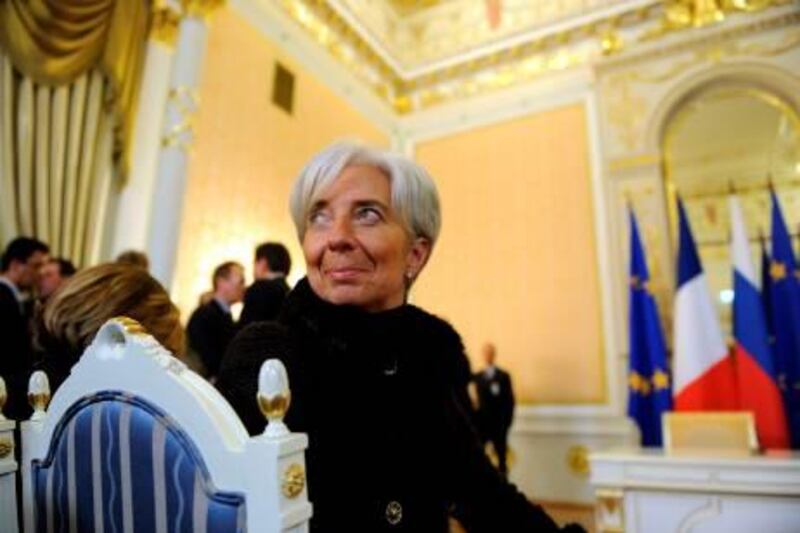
[(341, 234)]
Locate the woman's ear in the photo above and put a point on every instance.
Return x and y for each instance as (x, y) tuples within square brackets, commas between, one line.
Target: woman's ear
[(417, 257)]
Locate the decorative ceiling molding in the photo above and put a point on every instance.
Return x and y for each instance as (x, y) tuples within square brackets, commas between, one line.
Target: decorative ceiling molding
[(458, 31), (587, 32)]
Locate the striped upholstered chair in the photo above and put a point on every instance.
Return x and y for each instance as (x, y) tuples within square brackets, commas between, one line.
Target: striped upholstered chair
[(135, 441)]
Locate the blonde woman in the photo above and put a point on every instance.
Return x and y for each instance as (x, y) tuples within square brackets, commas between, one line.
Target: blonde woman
[(75, 312)]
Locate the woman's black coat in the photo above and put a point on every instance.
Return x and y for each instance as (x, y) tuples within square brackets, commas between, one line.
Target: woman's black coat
[(382, 399)]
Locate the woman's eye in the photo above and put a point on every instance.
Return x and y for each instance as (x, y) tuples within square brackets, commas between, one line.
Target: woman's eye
[(368, 215), (317, 218)]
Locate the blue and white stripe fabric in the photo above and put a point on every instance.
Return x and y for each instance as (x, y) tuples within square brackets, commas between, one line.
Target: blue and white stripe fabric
[(118, 464)]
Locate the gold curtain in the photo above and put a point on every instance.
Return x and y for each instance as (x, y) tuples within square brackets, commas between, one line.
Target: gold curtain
[(53, 42), (69, 75)]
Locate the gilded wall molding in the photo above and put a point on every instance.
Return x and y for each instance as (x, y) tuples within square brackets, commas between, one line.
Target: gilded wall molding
[(164, 27), (586, 42), (179, 132), (200, 8), (649, 52), (627, 100)]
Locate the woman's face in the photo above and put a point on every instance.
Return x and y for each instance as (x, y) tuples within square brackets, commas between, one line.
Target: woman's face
[(356, 249)]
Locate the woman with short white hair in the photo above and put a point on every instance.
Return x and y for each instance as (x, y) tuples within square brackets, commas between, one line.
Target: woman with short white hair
[(378, 384)]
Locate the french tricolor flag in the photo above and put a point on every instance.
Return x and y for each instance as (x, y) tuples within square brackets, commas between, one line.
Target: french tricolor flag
[(755, 371), (704, 377)]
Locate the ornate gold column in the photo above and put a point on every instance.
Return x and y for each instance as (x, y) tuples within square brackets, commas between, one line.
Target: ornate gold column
[(177, 137)]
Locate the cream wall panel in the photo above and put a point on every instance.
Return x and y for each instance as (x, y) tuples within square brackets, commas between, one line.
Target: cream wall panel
[(247, 153), (517, 262)]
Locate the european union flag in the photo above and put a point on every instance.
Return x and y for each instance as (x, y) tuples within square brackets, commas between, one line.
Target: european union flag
[(649, 391), (785, 315), (766, 293)]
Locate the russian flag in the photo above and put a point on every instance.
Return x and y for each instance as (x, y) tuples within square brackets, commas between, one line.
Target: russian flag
[(755, 371), (704, 377)]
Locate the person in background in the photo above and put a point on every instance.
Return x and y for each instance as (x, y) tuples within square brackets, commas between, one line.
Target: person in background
[(374, 380), (264, 298), (21, 262), (495, 405), (73, 314), (211, 325), (52, 275), (133, 258)]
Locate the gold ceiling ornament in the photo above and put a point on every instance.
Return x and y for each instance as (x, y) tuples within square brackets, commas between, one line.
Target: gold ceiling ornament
[(164, 27), (611, 42), (409, 7), (498, 69), (685, 14), (200, 8)]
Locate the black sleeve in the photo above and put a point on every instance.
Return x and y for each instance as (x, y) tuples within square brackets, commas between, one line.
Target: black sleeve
[(17, 357), (238, 371), (250, 308), (509, 401), (204, 339), (483, 500), (14, 335)]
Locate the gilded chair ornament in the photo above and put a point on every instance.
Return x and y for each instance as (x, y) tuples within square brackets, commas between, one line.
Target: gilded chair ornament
[(274, 397), (294, 480), (38, 394), (6, 447)]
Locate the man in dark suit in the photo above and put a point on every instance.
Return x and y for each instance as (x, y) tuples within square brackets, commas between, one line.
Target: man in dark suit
[(264, 298), (21, 261), (495, 405), (211, 326)]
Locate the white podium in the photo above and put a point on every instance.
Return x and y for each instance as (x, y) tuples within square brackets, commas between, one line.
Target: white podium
[(647, 491)]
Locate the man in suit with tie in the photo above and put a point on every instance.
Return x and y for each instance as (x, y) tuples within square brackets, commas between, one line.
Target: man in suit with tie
[(19, 272), (495, 405), (211, 326)]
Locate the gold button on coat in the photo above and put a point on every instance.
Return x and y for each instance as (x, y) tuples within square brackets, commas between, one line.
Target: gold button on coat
[(394, 513)]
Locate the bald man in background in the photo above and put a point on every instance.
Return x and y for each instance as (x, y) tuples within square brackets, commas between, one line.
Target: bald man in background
[(495, 405)]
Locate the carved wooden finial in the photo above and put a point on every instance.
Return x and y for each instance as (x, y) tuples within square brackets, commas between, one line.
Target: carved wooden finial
[(274, 397)]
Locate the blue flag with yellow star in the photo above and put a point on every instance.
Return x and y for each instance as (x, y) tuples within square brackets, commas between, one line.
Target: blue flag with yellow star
[(766, 293), (785, 318), (649, 391)]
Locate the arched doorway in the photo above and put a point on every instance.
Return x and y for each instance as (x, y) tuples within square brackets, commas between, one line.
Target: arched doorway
[(730, 137)]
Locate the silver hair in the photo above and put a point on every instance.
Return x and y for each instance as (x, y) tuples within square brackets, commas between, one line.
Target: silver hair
[(414, 195)]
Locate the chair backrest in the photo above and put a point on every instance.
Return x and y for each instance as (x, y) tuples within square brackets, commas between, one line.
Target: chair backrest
[(135, 441)]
